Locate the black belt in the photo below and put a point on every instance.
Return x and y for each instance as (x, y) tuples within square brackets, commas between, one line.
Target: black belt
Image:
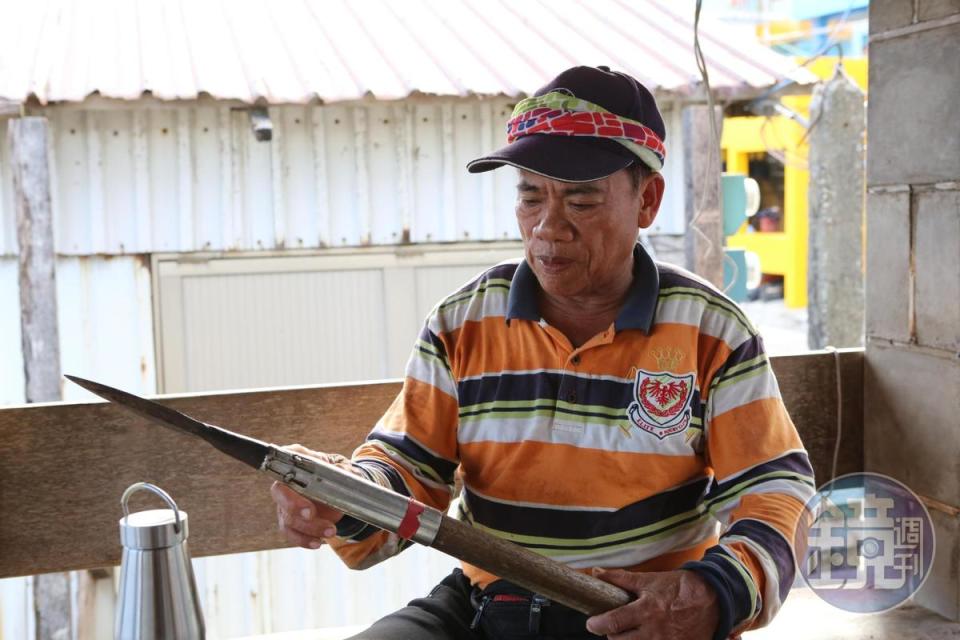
[(508, 612)]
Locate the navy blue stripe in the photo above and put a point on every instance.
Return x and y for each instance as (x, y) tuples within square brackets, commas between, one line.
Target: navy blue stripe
[(546, 386), (767, 537), (444, 468), (733, 594), (795, 462), (744, 353), (547, 522)]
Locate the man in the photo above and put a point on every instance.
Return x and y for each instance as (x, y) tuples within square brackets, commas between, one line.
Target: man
[(602, 409)]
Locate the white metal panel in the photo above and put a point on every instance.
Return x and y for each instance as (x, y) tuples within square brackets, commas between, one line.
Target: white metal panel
[(105, 320), (295, 589), (8, 217), (295, 51), (12, 383), (291, 328), (105, 323), (16, 609), (672, 216), (249, 322)]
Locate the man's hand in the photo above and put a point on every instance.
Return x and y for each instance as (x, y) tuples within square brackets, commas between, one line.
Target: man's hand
[(670, 605), (304, 522)]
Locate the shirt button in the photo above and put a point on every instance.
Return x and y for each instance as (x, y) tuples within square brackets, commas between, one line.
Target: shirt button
[(575, 359), (572, 396)]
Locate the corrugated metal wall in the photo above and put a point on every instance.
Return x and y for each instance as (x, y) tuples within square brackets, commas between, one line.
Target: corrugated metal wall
[(192, 177)]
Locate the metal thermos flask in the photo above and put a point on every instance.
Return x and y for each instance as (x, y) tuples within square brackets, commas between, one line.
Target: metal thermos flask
[(158, 595)]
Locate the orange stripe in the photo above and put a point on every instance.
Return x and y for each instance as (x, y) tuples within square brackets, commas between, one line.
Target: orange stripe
[(354, 553), (493, 346), (750, 434), (779, 510), (437, 413), (746, 557), (563, 475)]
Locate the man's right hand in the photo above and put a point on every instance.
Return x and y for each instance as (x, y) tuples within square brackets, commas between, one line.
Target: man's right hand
[(304, 522)]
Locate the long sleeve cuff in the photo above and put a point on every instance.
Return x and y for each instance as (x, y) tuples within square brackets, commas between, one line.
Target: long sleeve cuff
[(734, 598), (353, 529)]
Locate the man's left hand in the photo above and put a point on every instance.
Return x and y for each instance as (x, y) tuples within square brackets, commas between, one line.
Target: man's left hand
[(670, 605)]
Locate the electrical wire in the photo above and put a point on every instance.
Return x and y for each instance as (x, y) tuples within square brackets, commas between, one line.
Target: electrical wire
[(713, 159)]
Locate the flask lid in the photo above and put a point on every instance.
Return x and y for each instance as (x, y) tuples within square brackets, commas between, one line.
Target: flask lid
[(154, 528)]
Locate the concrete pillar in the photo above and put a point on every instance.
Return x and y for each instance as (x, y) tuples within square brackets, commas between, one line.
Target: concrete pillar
[(912, 368), (703, 242), (836, 196)]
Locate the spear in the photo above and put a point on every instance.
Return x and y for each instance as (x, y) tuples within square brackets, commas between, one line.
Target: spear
[(385, 509)]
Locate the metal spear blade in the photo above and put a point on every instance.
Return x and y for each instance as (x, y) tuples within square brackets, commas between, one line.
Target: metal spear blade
[(243, 448)]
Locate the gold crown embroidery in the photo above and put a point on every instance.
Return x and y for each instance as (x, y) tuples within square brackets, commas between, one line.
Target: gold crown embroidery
[(667, 358)]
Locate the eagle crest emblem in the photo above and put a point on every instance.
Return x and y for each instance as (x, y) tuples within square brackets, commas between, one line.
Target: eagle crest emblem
[(661, 403)]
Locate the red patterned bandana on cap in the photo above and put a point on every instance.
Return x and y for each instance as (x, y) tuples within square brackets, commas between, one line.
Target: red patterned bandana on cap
[(561, 114)]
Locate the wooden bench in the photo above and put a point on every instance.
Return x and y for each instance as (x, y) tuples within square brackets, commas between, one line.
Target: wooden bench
[(64, 466)]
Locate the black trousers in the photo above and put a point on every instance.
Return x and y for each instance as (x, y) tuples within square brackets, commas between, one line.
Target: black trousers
[(456, 611)]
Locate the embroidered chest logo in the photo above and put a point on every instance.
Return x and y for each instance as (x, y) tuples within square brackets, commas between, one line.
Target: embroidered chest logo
[(661, 404)]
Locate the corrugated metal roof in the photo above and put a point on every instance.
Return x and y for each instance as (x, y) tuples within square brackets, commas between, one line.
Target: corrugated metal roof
[(298, 51)]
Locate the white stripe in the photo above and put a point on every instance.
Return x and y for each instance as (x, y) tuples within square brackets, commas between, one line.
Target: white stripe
[(429, 370), (762, 385), (574, 431), (564, 372), (537, 505), (475, 306), (696, 313), (633, 555)]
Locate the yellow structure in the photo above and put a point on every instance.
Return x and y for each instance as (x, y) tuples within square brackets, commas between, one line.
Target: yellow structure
[(782, 252)]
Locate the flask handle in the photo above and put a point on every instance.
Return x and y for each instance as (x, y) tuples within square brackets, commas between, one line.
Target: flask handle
[(141, 486)]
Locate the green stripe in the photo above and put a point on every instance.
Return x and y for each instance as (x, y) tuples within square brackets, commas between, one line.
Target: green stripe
[(493, 283), (432, 358), (747, 578), (729, 382), (740, 489), (425, 469), (743, 365)]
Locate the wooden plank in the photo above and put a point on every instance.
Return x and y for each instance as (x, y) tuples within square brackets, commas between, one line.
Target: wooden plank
[(808, 383), (63, 467)]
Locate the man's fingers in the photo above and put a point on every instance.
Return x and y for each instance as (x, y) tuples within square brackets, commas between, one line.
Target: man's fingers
[(318, 527), (632, 581), (291, 501), (620, 620)]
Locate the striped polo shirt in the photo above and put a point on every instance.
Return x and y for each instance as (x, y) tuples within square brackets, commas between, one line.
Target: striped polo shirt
[(661, 442)]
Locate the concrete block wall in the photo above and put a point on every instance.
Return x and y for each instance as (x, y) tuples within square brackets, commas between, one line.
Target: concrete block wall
[(912, 377)]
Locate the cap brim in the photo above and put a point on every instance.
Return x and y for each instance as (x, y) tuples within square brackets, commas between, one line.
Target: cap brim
[(567, 158)]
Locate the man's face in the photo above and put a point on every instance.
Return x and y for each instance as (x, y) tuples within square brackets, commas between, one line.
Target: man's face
[(579, 237)]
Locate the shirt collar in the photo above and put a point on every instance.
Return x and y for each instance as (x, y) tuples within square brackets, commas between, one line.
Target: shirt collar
[(638, 308)]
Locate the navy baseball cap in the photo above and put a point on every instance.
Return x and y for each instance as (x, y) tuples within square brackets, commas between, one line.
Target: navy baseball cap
[(585, 124)]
